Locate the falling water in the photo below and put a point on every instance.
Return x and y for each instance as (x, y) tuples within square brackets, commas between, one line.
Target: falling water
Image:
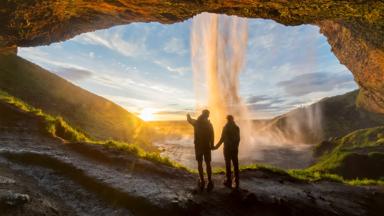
[(218, 45), (218, 54)]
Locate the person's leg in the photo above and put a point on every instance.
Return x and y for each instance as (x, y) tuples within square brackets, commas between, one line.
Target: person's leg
[(235, 161), (207, 157), (201, 170), (209, 171), (201, 182), (199, 159), (228, 172)]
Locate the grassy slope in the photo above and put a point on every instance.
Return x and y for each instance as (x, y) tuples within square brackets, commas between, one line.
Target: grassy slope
[(340, 117), (359, 154), (55, 126), (96, 116)]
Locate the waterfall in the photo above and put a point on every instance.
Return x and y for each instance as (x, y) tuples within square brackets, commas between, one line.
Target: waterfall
[(218, 45)]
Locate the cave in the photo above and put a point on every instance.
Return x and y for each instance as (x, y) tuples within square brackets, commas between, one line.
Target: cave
[(68, 151)]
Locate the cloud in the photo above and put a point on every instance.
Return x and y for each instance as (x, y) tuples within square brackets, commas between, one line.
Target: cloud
[(316, 82), (178, 70), (257, 98), (45, 59), (266, 103), (262, 99), (115, 41), (175, 46), (73, 74)]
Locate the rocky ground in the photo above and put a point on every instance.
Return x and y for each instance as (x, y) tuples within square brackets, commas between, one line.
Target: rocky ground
[(40, 175)]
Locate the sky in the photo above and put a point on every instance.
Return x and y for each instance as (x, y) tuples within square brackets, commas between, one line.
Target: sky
[(146, 67)]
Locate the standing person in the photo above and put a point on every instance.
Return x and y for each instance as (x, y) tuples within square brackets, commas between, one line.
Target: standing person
[(204, 143), (231, 139)]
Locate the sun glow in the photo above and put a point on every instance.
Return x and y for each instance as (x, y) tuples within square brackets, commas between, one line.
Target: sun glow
[(147, 115)]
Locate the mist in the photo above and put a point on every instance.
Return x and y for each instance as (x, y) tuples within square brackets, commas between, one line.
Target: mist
[(218, 46)]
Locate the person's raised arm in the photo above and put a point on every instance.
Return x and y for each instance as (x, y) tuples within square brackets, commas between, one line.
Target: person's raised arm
[(191, 120)]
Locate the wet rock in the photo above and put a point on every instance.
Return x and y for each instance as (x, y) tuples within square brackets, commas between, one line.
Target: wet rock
[(6, 180), (10, 198)]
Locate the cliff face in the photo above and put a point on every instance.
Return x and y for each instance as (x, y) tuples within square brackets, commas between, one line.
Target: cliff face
[(355, 28), (361, 49)]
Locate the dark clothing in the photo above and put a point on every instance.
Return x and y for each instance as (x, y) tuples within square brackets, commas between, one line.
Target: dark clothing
[(231, 138), (228, 157), (204, 138), (206, 154)]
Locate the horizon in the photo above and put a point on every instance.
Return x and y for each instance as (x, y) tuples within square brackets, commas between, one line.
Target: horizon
[(151, 76)]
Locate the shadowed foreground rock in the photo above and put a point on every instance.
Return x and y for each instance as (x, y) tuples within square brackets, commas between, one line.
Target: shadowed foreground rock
[(354, 28)]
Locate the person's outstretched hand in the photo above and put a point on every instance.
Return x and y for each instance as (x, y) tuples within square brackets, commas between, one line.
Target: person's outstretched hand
[(188, 115)]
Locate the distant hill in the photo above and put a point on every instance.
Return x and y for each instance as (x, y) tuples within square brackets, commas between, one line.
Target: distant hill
[(98, 117), (330, 117)]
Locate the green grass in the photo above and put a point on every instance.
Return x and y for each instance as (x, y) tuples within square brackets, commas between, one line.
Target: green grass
[(355, 155), (59, 128), (363, 138), (308, 175), (314, 176), (56, 126), (263, 167)]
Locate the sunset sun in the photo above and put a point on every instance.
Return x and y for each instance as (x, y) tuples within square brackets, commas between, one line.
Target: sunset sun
[(147, 114)]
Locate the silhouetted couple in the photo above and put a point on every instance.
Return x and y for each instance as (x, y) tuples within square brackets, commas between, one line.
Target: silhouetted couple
[(204, 144)]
